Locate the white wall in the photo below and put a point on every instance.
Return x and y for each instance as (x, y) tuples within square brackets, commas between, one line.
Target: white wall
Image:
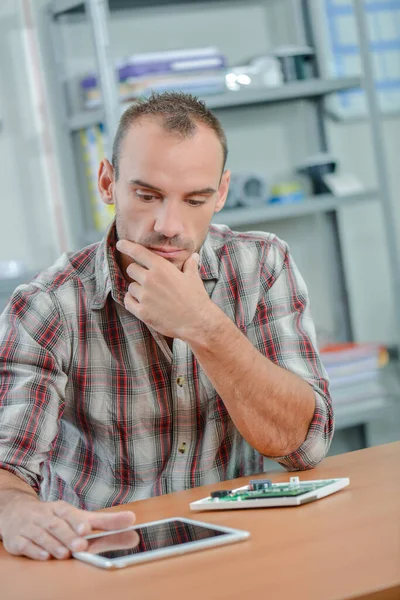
[(266, 139)]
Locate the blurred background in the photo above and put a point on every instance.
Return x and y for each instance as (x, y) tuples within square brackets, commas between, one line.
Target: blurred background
[(308, 92)]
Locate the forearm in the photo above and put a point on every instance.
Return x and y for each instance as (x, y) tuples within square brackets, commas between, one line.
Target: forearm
[(11, 489), (270, 406)]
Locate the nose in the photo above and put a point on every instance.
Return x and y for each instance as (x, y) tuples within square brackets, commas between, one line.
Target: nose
[(168, 220)]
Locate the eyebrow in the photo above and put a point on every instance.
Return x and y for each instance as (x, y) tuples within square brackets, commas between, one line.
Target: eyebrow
[(149, 186)]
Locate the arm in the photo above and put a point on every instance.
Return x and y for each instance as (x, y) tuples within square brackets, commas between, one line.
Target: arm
[(270, 406), (33, 364), (273, 384), (42, 529), (12, 488)]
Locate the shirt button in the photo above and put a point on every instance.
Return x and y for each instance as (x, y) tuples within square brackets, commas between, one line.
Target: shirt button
[(182, 448), (180, 380)]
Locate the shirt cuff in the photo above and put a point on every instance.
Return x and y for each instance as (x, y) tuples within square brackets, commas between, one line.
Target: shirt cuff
[(319, 437), (23, 474)]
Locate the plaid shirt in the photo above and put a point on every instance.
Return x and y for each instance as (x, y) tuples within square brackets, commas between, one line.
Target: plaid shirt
[(96, 410)]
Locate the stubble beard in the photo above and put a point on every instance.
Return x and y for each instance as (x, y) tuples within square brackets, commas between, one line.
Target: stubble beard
[(154, 239)]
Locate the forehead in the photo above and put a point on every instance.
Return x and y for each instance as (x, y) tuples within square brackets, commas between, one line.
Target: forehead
[(149, 147)]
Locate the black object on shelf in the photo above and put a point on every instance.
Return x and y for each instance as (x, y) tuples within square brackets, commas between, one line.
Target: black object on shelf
[(316, 167)]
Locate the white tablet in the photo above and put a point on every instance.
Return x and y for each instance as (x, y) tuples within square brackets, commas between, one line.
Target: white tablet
[(151, 541), (262, 493)]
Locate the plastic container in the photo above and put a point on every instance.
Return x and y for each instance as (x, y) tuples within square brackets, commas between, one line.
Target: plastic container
[(247, 189), (287, 192), (297, 62)]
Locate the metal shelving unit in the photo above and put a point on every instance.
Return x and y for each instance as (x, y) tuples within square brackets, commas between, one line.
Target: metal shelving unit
[(72, 7), (97, 12), (324, 203), (289, 92)]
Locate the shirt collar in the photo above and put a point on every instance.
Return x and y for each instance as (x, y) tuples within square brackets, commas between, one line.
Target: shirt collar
[(209, 264), (109, 279)]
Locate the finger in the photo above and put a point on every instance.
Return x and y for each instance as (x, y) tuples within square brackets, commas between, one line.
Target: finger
[(191, 265), (108, 522), (139, 253), (132, 305), (136, 290), (44, 540), (76, 518), (137, 272), (21, 546), (61, 530)]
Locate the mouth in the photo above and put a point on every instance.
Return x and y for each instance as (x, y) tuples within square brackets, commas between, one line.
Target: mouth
[(167, 252)]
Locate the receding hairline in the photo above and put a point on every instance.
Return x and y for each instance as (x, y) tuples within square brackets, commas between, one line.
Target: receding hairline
[(162, 120), (177, 113)]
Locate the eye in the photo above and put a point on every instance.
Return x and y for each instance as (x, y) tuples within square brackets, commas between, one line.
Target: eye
[(193, 202), (145, 197)]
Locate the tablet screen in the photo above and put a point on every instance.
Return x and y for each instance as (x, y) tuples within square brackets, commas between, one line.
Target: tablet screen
[(151, 537)]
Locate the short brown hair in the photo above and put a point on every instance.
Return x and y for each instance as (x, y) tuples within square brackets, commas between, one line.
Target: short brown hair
[(179, 113)]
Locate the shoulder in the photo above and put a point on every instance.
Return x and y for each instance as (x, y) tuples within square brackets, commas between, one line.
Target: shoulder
[(68, 270), (55, 286), (251, 246)]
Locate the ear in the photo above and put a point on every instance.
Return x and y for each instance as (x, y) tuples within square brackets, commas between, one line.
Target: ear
[(106, 181), (223, 190)]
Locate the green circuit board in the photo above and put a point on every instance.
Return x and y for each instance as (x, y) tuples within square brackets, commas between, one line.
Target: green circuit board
[(275, 490)]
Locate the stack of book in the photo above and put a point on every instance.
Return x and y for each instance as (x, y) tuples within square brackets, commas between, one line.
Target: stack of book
[(354, 371), (198, 71)]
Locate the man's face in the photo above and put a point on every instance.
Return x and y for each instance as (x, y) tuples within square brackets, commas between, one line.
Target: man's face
[(167, 190)]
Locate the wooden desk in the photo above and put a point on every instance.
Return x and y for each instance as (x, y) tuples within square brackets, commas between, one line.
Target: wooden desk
[(343, 546)]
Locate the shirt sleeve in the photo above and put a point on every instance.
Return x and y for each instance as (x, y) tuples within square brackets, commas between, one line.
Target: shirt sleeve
[(285, 319), (32, 381)]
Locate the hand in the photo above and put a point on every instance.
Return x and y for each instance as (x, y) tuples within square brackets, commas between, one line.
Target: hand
[(41, 530), (170, 301)]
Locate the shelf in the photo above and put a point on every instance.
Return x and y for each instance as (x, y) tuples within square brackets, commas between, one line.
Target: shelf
[(248, 96), (62, 7), (324, 203), (285, 93)]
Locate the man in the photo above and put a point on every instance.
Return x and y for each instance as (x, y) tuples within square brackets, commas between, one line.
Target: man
[(170, 355)]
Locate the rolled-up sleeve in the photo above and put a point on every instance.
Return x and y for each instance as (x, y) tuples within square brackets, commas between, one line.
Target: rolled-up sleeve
[(288, 330), (33, 355)]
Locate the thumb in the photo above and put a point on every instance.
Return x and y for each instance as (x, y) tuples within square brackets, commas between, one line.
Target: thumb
[(192, 264)]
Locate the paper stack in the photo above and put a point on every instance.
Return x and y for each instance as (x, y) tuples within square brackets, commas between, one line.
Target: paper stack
[(354, 371)]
